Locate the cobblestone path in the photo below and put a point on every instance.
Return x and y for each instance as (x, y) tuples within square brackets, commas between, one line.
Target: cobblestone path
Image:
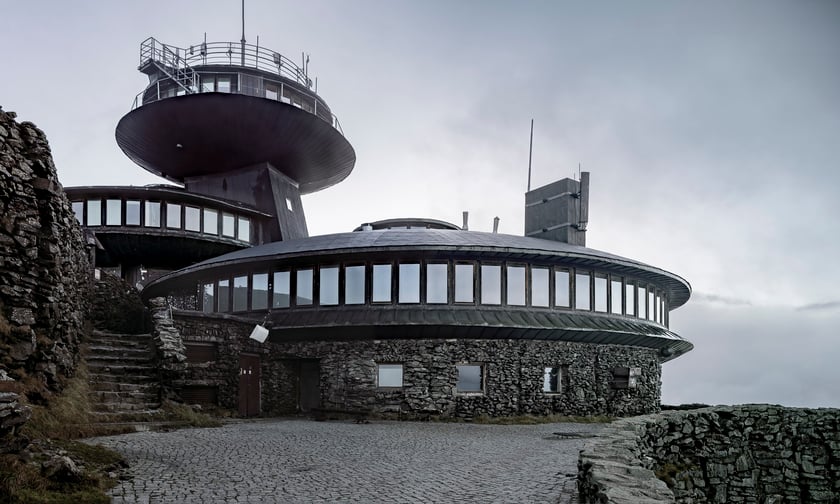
[(302, 461)]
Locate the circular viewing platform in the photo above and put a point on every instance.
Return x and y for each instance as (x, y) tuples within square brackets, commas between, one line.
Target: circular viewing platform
[(217, 107)]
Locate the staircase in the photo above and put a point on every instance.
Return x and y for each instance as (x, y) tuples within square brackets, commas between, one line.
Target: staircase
[(124, 380)]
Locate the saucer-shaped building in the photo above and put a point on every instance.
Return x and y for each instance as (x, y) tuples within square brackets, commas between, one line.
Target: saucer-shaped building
[(412, 317)]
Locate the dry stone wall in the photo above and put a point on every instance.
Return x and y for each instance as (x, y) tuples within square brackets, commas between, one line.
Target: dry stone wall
[(751, 453)]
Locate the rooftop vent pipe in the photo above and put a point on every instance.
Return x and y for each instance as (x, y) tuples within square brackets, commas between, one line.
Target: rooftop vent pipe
[(466, 226), (495, 225)]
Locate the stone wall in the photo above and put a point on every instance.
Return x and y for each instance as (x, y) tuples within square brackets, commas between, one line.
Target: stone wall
[(752, 453), (513, 373), (170, 353)]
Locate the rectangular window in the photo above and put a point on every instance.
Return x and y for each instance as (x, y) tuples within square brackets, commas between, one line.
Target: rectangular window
[(282, 289), (207, 84), (192, 218), (651, 305), (243, 230), (539, 287), (389, 375), (491, 284), (289, 205), (409, 283), (304, 287), (132, 213), (464, 283), (381, 283), (272, 91), (173, 215), (552, 380), (211, 222), (600, 293), (328, 286), (561, 289), (113, 212), (615, 297), (630, 299), (582, 301), (642, 301), (223, 84), (224, 295), (228, 223), (437, 287), (207, 297), (152, 217), (470, 378), (516, 285), (240, 293), (354, 285), (79, 211), (94, 212), (259, 291)]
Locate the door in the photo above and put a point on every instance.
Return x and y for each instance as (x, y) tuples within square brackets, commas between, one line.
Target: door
[(249, 385), (309, 389)]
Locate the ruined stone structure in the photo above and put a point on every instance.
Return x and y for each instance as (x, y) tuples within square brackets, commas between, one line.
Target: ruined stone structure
[(725, 454)]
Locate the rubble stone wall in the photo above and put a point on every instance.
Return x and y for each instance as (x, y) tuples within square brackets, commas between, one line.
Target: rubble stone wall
[(751, 453)]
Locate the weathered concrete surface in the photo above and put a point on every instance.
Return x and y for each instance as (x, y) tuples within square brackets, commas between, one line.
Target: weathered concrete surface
[(301, 461)]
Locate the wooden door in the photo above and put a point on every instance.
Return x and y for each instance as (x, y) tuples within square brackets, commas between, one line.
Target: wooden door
[(249, 385), (309, 385)]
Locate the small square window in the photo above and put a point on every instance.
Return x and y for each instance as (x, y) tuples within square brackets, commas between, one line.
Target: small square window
[(626, 377), (552, 380), (389, 375), (470, 378)]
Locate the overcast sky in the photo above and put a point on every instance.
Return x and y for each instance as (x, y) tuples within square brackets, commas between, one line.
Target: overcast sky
[(711, 130)]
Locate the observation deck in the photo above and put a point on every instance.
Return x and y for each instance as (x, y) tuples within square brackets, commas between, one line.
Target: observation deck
[(216, 107)]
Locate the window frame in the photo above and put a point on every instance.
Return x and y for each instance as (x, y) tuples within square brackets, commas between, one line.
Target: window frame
[(482, 379), (379, 368)]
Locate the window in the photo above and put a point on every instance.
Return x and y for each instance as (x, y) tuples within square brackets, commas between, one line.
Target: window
[(630, 299), (516, 285), (240, 293), (381, 283), (651, 305), (470, 378), (94, 212), (582, 301), (561, 289), (328, 286), (491, 284), (626, 377), (207, 84), (464, 284), (389, 375), (409, 288), (192, 218), (207, 297), (224, 295), (642, 300), (223, 84), (173, 215), (539, 287), (132, 213), (552, 380), (600, 293), (615, 297), (243, 231), (272, 91), (437, 287), (211, 222), (79, 211), (113, 212), (354, 285), (304, 287), (282, 290), (289, 205), (228, 223), (259, 291), (152, 214)]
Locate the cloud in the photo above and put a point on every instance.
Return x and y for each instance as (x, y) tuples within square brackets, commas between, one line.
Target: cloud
[(828, 305), (703, 297)]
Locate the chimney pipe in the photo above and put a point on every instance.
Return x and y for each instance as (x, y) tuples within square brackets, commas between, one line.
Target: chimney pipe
[(495, 225), (466, 227)]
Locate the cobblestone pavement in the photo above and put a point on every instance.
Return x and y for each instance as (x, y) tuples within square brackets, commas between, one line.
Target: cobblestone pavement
[(302, 461)]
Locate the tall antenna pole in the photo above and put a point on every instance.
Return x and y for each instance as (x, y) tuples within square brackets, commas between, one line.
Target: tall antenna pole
[(243, 33), (530, 152)]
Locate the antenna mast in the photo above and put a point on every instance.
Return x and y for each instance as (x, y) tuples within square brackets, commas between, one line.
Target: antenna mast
[(530, 152), (243, 33)]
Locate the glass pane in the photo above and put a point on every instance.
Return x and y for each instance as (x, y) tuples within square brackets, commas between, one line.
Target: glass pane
[(240, 293), (381, 283), (642, 300), (600, 293), (208, 84), (561, 289), (658, 305), (243, 231), (409, 289), (328, 290), (207, 297), (224, 295), (437, 288), (259, 291), (516, 285), (228, 223), (354, 285), (615, 296), (304, 287), (491, 284), (113, 212), (94, 212), (192, 218), (79, 210), (211, 222), (551, 379), (469, 378), (464, 284), (630, 301), (390, 375), (282, 289), (152, 214), (223, 84), (132, 213), (173, 216), (582, 291), (539, 287), (651, 305)]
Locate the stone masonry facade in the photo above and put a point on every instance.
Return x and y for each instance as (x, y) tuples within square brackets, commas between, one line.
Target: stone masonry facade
[(752, 453), (512, 372)]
